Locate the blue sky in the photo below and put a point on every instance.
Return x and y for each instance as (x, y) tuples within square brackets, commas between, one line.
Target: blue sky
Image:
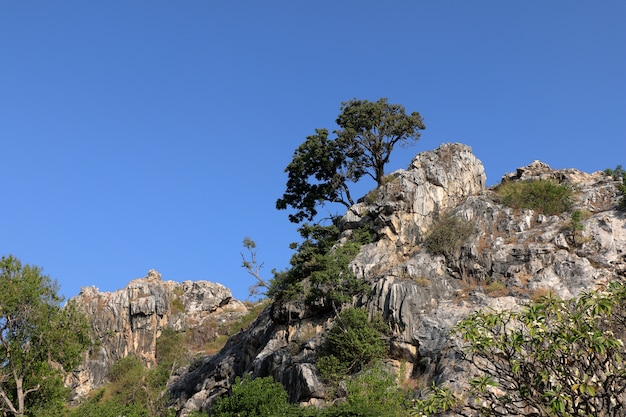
[(154, 134)]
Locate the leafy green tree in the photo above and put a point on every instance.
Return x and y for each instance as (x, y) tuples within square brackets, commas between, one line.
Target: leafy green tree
[(39, 339), (322, 168), (259, 397), (557, 358), (370, 130)]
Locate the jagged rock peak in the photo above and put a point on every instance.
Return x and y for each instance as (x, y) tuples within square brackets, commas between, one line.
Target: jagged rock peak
[(403, 209), (129, 321)]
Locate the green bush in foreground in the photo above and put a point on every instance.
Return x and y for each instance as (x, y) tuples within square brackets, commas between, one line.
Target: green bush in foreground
[(352, 344), (543, 196), (554, 358), (259, 397)]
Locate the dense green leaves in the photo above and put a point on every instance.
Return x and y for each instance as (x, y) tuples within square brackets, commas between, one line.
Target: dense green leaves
[(38, 339), (322, 168), (317, 174), (259, 397), (553, 358), (352, 344), (370, 130), (434, 400), (324, 266)]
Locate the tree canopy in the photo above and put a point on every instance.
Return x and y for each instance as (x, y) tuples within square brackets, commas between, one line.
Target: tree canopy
[(322, 168), (39, 339)]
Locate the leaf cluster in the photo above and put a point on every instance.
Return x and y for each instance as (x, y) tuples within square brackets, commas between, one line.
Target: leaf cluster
[(318, 173), (370, 130), (544, 196), (553, 358), (434, 400), (373, 393), (258, 397), (352, 344), (324, 266)]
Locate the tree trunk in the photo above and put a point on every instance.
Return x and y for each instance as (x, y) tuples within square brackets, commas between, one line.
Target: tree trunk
[(19, 388)]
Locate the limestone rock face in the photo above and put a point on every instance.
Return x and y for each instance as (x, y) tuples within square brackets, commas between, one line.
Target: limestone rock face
[(128, 321), (511, 257)]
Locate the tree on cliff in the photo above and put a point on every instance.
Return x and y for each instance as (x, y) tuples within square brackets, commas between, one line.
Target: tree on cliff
[(322, 167), (39, 339)]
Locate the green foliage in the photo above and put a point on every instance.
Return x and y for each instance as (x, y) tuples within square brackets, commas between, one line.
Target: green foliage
[(133, 389), (109, 409), (543, 196), (126, 381), (259, 397), (447, 236), (253, 267), (322, 168), (317, 174), (375, 392), (325, 266), (352, 344), (38, 340), (370, 130), (619, 173), (553, 358), (434, 401)]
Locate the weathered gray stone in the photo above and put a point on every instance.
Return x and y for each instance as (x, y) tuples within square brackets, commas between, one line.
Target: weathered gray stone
[(128, 321), (421, 296)]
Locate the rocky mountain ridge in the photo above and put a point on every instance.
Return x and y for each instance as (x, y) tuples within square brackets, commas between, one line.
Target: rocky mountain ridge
[(129, 321), (510, 257)]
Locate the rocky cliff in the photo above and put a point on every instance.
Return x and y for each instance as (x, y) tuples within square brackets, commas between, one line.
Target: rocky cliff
[(129, 321), (511, 256)]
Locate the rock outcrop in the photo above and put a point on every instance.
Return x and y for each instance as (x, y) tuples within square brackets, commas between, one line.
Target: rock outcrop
[(129, 321), (422, 295)]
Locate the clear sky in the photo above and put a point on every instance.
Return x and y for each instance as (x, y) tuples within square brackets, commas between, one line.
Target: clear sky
[(154, 134)]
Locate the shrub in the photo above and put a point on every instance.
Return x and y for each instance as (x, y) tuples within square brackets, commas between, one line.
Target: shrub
[(353, 343), (109, 409), (435, 400), (259, 397), (496, 289), (619, 174), (542, 196), (324, 264), (448, 235), (376, 392)]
